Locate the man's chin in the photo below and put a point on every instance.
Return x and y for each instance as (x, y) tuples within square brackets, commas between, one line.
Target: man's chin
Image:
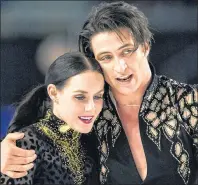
[(125, 90)]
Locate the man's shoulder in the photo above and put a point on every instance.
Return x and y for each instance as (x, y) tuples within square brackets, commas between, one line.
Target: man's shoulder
[(176, 85)]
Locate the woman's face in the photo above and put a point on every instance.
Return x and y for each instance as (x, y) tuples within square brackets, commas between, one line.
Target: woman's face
[(80, 101)]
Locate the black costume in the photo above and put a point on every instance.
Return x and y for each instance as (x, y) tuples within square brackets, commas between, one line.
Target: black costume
[(63, 156), (168, 120)]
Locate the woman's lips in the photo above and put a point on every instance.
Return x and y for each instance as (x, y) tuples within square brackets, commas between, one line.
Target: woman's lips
[(86, 119)]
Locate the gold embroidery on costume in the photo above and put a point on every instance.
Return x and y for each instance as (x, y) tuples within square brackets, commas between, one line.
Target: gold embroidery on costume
[(168, 111), (189, 99), (183, 159), (195, 140), (151, 116), (172, 123), (104, 153), (163, 114), (101, 130), (162, 90), (181, 104), (178, 149), (153, 132), (153, 105), (64, 128), (193, 121), (107, 114), (156, 122), (169, 131), (166, 100), (104, 147), (194, 110), (180, 92), (158, 96), (190, 112), (67, 142), (186, 113), (196, 96)]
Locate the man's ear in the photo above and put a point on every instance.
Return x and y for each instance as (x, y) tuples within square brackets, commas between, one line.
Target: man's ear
[(52, 92), (146, 48)]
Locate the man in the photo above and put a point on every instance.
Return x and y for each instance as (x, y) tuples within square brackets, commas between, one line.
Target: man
[(148, 129)]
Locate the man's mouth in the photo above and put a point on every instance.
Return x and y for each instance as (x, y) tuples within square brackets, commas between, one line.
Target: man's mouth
[(124, 78), (86, 119)]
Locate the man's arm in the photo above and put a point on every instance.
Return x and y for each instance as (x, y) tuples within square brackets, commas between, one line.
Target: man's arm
[(15, 162)]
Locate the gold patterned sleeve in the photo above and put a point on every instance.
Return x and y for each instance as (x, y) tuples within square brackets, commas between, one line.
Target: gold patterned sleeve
[(188, 110)]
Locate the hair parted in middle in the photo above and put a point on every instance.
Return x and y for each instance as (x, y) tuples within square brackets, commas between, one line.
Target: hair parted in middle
[(34, 105)]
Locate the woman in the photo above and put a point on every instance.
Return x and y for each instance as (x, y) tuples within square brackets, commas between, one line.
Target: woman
[(54, 117)]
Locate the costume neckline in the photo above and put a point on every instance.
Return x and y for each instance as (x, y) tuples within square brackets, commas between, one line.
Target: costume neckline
[(56, 128)]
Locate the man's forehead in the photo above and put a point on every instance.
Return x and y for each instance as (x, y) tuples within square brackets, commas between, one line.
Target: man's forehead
[(122, 33), (122, 37)]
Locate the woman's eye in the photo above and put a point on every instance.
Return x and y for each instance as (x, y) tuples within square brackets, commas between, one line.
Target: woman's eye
[(80, 97), (98, 97)]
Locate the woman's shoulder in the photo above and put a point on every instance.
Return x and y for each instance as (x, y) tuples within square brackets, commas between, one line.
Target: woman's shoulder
[(31, 139)]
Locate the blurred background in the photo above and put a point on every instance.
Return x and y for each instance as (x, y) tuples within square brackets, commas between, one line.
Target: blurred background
[(35, 33)]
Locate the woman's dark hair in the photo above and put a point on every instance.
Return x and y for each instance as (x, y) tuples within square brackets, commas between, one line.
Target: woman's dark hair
[(36, 102), (112, 17)]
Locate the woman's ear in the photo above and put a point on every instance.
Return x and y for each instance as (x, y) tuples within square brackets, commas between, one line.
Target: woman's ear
[(52, 92)]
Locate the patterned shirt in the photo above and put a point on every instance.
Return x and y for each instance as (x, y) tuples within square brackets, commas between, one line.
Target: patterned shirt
[(168, 120)]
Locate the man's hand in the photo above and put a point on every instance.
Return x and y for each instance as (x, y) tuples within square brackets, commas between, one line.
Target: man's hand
[(15, 162)]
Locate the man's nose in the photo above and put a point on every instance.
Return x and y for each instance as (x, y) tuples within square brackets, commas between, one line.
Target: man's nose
[(120, 65)]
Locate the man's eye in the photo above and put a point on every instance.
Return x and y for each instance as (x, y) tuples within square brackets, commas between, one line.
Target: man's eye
[(80, 97), (128, 51), (107, 57)]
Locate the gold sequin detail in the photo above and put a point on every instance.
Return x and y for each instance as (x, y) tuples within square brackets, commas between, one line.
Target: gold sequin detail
[(186, 113), (151, 115), (173, 108), (194, 110), (64, 128), (156, 122), (172, 123), (153, 132), (169, 131), (193, 121), (189, 99), (67, 143), (181, 104), (178, 149), (70, 149)]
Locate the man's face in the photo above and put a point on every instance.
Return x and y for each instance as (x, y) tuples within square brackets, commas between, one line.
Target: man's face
[(124, 67)]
